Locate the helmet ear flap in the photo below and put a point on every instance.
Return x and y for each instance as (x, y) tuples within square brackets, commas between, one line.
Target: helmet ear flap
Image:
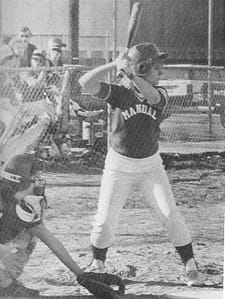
[(142, 68)]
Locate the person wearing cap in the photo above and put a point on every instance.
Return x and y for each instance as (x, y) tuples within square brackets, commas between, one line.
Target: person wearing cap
[(55, 48), (58, 80), (32, 83), (133, 158), (58, 83), (36, 77), (25, 35)]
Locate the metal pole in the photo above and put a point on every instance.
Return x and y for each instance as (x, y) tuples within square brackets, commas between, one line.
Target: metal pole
[(113, 75), (74, 30), (107, 46), (1, 18), (114, 28), (107, 59), (210, 8)]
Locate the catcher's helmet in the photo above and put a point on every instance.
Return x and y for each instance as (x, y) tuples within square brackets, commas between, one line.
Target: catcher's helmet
[(143, 55), (20, 169)]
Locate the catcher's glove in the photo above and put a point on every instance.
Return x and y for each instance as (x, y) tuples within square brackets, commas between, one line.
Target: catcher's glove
[(99, 284)]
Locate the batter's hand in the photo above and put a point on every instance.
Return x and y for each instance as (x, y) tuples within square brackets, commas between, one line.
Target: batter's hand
[(99, 284), (124, 65)]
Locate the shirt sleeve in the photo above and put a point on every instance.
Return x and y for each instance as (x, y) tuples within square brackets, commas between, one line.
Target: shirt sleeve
[(114, 94), (164, 97)]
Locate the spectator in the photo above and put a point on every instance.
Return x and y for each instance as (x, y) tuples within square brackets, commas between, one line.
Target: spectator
[(6, 54), (25, 35), (5, 39), (58, 80), (37, 78), (10, 56), (59, 83), (55, 46), (32, 84), (59, 86)]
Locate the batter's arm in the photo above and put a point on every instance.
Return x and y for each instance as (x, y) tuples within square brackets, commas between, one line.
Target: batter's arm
[(91, 80), (149, 92)]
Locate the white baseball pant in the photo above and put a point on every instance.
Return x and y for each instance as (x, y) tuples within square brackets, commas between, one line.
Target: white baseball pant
[(120, 174)]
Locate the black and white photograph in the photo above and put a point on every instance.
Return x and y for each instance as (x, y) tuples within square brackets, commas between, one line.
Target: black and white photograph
[(112, 149)]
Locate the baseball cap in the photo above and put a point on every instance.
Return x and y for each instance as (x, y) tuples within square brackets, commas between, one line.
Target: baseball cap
[(146, 51), (38, 54), (55, 43)]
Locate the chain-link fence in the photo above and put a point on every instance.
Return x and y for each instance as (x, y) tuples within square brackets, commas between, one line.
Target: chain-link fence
[(36, 116), (196, 109)]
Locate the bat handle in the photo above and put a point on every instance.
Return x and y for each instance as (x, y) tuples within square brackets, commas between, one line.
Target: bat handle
[(121, 73)]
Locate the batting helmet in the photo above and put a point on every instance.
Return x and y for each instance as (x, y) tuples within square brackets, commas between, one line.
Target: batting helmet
[(20, 169), (144, 55)]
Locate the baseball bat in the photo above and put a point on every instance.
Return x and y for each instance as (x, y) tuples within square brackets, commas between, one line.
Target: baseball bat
[(133, 22), (131, 28)]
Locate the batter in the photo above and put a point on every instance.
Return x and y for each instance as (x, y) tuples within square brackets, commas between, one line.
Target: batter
[(138, 105)]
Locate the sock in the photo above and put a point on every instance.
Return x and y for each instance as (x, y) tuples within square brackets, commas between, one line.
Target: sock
[(99, 253), (185, 252)]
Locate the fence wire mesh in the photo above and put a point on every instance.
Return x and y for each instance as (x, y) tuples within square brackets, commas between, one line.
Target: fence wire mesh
[(35, 116)]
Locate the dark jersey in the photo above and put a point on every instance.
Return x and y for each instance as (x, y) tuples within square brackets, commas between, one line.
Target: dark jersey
[(135, 123), (13, 221)]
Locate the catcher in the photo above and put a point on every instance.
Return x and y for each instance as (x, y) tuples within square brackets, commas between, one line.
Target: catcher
[(22, 203)]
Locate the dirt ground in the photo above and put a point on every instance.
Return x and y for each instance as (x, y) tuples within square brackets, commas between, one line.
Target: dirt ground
[(141, 253)]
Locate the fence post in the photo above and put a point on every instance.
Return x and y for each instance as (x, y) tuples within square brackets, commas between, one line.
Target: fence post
[(107, 59), (210, 63), (74, 30)]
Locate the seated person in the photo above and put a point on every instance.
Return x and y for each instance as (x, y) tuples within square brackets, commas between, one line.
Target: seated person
[(33, 83), (58, 81)]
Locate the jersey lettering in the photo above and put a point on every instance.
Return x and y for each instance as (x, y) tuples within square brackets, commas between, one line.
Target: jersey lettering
[(139, 108)]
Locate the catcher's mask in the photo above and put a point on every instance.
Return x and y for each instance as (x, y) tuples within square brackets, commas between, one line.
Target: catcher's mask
[(144, 55), (20, 171)]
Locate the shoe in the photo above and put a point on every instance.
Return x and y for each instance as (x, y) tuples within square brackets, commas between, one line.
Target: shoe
[(18, 290), (193, 276), (194, 279), (97, 266)]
